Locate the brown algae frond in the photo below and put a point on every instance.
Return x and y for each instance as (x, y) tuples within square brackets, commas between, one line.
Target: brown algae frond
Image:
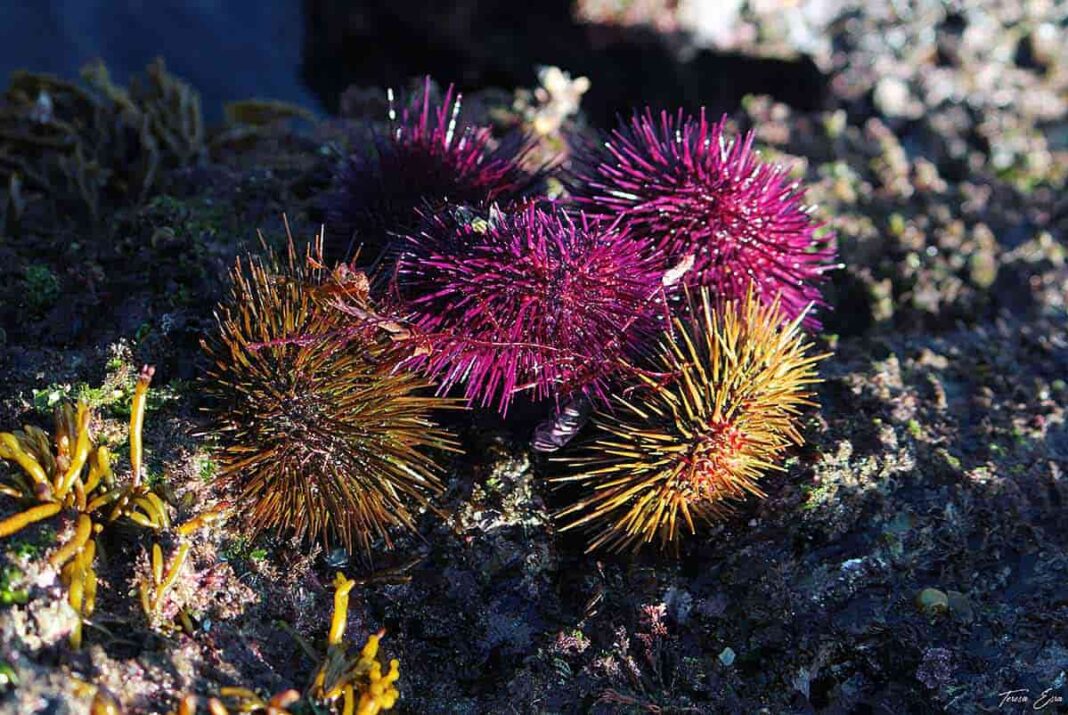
[(344, 683), (240, 700), (93, 145), (71, 473), (153, 589), (359, 682), (718, 408), (155, 586)]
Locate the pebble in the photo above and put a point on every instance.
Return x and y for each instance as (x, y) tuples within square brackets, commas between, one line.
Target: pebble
[(931, 600), (893, 99)]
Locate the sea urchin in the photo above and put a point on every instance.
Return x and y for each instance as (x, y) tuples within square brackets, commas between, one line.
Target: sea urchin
[(526, 301), (323, 436), (717, 409), (428, 158), (682, 185)]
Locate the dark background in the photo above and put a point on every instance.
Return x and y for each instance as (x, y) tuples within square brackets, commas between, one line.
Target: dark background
[(308, 52), (227, 49)]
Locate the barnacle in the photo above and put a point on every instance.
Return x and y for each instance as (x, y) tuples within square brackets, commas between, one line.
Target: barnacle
[(75, 474), (323, 434), (717, 408), (681, 184)]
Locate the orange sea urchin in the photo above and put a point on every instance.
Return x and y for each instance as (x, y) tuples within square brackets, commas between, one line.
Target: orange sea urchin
[(323, 436), (720, 413)]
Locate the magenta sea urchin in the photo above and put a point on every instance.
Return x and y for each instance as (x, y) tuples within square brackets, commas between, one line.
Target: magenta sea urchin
[(680, 183), (428, 158), (531, 300)]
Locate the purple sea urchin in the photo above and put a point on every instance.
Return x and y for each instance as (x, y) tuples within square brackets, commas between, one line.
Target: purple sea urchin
[(530, 300), (322, 436), (428, 158), (682, 185), (718, 410)]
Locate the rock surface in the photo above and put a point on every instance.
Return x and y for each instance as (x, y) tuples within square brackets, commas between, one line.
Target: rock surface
[(912, 558)]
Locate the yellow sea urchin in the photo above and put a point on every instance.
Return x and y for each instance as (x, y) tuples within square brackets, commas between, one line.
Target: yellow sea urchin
[(719, 407)]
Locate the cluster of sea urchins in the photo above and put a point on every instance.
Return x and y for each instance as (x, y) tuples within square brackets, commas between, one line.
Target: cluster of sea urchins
[(668, 291), (321, 436)]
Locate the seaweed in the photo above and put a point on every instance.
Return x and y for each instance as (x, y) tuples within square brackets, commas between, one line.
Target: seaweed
[(92, 145)]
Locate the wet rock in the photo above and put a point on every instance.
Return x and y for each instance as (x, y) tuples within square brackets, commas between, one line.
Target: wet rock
[(936, 670), (960, 606)]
